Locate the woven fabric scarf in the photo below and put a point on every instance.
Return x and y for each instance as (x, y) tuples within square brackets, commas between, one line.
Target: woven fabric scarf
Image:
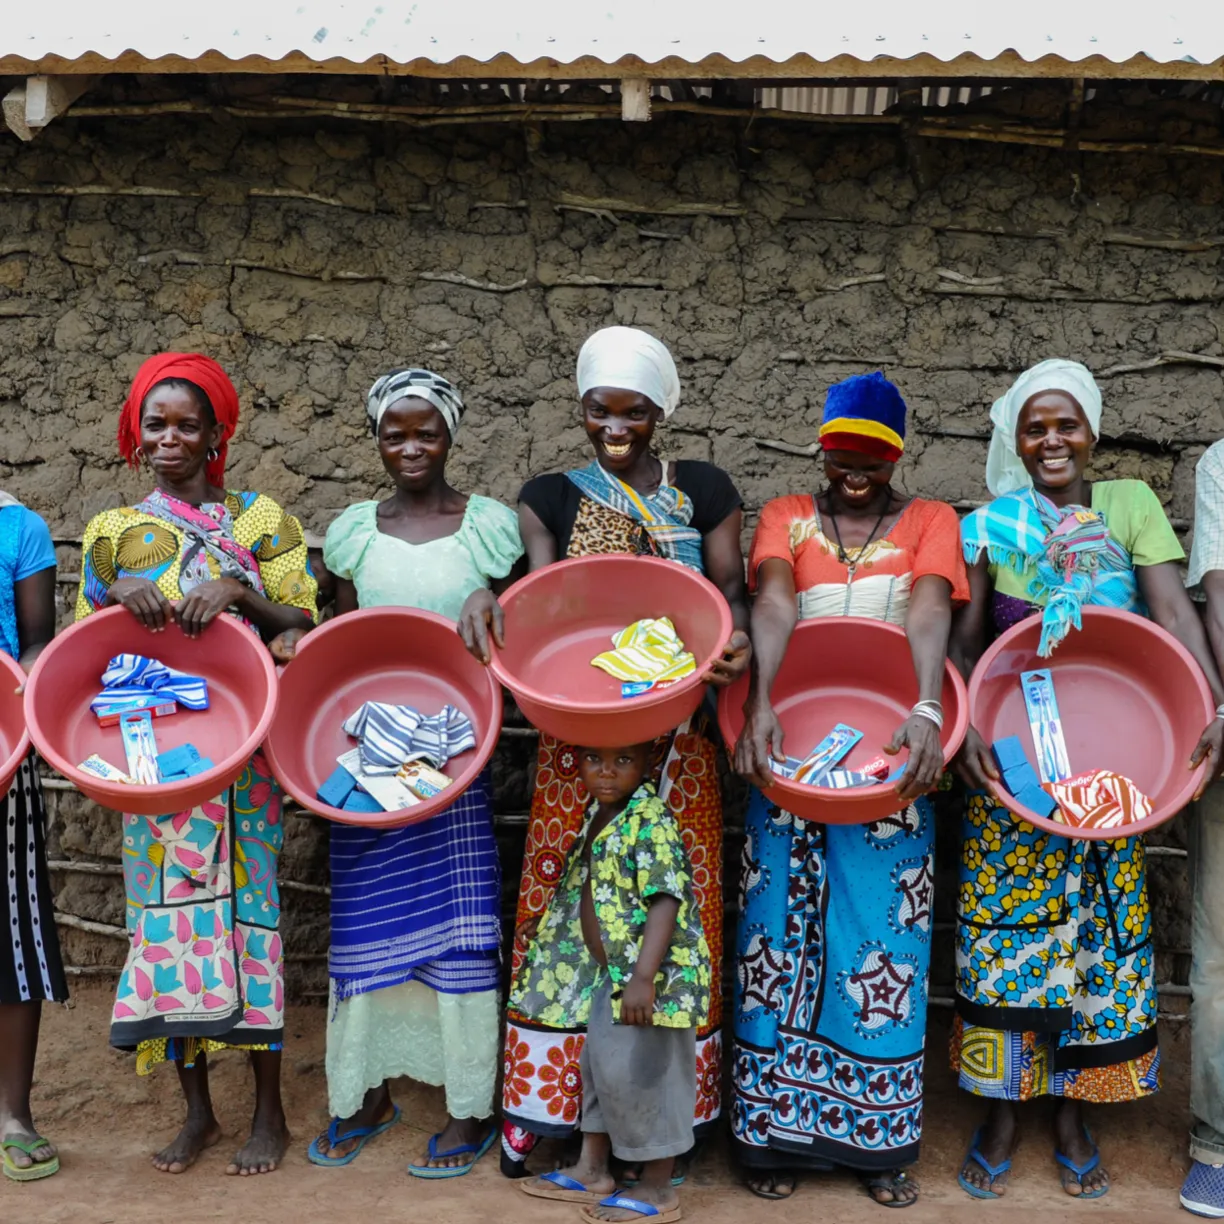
[(1069, 551), (665, 514), (392, 735)]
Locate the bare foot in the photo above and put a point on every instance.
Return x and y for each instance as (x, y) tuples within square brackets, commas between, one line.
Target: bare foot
[(663, 1198), (996, 1142), (459, 1132), (263, 1151), (184, 1149)]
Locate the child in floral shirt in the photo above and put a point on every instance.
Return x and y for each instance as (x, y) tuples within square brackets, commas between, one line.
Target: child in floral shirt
[(621, 950)]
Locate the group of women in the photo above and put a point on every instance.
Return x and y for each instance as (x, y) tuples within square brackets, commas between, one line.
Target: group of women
[(1054, 964)]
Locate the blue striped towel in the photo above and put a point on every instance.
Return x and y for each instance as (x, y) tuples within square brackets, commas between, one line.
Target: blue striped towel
[(392, 735), (132, 675)]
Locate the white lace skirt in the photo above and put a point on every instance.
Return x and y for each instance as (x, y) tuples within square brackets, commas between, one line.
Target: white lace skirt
[(449, 1040)]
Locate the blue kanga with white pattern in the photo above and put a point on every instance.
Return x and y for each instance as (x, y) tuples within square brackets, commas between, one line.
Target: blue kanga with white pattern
[(831, 996)]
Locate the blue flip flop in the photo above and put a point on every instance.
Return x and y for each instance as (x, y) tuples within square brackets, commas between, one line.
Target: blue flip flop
[(977, 1192), (432, 1174), (559, 1187), (648, 1211), (363, 1135), (1080, 1171)]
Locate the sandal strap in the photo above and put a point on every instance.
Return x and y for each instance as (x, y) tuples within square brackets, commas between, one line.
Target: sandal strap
[(25, 1145)]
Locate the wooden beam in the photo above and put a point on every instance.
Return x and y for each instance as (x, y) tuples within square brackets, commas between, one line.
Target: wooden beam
[(635, 100), (1008, 66), (30, 107)]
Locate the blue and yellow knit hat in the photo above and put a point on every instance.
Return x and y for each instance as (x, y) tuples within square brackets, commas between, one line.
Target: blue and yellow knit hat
[(865, 413)]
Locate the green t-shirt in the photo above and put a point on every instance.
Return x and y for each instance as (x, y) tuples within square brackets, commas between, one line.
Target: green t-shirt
[(1135, 519)]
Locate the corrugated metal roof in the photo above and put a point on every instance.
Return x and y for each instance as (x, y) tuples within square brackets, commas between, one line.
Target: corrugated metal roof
[(631, 32)]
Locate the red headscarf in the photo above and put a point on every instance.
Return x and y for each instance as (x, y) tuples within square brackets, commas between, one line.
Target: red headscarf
[(194, 368)]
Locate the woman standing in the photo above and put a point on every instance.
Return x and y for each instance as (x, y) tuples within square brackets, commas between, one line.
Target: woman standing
[(30, 967), (834, 939), (626, 501), (205, 970), (1055, 972), (416, 912)]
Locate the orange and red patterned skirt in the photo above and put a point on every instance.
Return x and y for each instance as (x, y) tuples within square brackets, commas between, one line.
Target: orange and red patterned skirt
[(542, 1094)]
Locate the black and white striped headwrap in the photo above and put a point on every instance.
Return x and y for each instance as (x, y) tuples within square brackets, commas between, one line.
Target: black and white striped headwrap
[(421, 384)]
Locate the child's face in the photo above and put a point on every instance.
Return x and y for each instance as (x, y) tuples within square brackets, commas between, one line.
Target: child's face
[(611, 775)]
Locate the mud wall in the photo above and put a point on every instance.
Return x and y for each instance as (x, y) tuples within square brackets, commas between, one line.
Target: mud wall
[(774, 259)]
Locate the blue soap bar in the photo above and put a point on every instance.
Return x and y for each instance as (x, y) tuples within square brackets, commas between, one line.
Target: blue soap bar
[(1020, 777), (1036, 800), (203, 765), (336, 790), (359, 801), (177, 760), (1009, 753)]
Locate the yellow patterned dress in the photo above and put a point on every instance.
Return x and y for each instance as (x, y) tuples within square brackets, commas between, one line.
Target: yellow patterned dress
[(205, 968)]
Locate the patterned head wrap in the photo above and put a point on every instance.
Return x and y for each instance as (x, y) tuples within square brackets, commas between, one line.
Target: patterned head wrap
[(865, 413), (629, 360), (1005, 471), (417, 384), (200, 371)]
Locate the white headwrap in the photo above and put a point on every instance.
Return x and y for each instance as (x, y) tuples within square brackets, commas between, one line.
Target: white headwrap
[(415, 384), (1005, 472), (629, 360)]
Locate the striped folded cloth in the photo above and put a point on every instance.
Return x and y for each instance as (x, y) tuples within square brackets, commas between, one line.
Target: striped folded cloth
[(1099, 800), (392, 735), (648, 650), (130, 676)]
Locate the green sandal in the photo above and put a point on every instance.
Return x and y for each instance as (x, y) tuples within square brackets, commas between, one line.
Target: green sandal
[(34, 1172)]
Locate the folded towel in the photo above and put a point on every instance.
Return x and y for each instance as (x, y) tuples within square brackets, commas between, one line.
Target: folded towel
[(130, 676), (392, 735), (1099, 800), (648, 650)]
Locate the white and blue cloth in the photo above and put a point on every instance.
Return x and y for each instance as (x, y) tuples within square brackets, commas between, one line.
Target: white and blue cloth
[(129, 676), (391, 735)]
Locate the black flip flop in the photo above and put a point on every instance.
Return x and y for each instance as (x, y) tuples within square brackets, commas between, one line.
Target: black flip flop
[(888, 1181), (774, 1179)]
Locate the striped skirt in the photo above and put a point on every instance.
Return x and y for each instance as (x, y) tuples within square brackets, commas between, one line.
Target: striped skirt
[(30, 966)]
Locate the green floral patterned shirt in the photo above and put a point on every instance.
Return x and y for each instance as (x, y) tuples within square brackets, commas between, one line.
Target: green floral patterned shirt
[(638, 856)]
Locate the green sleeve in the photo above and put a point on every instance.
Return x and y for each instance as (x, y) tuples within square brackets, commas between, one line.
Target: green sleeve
[(348, 537), (1138, 522)]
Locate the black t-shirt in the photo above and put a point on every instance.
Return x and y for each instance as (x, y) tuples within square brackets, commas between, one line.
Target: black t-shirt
[(555, 498)]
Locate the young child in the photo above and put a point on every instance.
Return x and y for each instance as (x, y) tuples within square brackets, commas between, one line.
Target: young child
[(620, 949)]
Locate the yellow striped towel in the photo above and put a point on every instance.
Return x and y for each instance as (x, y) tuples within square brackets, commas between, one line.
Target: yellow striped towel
[(648, 650)]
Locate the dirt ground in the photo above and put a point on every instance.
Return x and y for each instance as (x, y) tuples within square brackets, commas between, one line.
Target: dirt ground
[(106, 1121)]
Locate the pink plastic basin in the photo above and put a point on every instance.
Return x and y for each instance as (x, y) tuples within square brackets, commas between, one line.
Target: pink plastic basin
[(14, 735), (397, 655), (68, 676), (559, 618), (855, 671), (1131, 698)]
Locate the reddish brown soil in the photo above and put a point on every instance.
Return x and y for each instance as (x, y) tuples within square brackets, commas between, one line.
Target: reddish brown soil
[(106, 1121)]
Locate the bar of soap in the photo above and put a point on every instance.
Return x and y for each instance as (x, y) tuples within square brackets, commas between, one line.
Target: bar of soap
[(177, 760), (359, 801), (1021, 777), (1009, 754), (1036, 800), (337, 789)]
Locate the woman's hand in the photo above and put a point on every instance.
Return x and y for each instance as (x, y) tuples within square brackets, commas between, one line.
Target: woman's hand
[(204, 603), (732, 663), (480, 616), (1210, 746), (284, 645), (760, 742), (921, 736), (144, 600), (525, 932), (975, 763), (637, 1001)]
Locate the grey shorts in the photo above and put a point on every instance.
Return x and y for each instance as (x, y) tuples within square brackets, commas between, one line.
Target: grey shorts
[(639, 1085)]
